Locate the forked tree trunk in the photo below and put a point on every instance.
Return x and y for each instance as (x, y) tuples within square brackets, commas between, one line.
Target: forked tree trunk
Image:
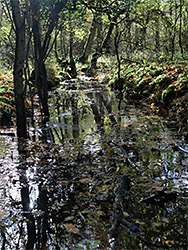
[(18, 69)]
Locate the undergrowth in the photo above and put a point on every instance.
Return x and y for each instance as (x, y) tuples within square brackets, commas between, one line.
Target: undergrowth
[(163, 87)]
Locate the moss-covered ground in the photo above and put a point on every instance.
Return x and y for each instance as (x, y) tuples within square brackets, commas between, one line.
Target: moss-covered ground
[(163, 87)]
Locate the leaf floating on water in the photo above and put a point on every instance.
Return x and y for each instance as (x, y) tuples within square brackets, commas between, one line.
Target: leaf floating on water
[(86, 180), (125, 214), (156, 224), (61, 204), (71, 228), (63, 183), (165, 220), (69, 218)]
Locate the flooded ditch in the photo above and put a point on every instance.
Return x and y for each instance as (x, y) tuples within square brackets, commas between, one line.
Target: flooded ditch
[(106, 178)]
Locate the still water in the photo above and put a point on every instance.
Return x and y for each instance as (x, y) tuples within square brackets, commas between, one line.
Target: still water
[(108, 176)]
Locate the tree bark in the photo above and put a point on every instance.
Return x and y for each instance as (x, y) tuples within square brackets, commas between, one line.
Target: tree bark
[(18, 69), (89, 43), (40, 69), (180, 30)]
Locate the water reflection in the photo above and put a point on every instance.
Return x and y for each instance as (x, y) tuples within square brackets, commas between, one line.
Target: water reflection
[(61, 191)]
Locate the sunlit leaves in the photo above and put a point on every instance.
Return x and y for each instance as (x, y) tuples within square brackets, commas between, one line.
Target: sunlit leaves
[(6, 94)]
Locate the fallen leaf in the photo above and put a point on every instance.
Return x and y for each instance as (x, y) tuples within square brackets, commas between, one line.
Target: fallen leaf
[(71, 228), (125, 214), (165, 220), (69, 218), (86, 180)]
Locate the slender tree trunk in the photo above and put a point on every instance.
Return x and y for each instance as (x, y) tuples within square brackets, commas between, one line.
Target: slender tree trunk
[(73, 72), (157, 32), (180, 30), (98, 51), (89, 43), (143, 31), (40, 69), (106, 42), (18, 69)]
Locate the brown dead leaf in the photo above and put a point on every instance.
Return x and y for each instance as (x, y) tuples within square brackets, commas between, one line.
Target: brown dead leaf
[(71, 228)]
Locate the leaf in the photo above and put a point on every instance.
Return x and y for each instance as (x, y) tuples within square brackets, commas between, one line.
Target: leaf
[(86, 180), (69, 218), (125, 214), (71, 228), (152, 105), (63, 183), (36, 18), (165, 220)]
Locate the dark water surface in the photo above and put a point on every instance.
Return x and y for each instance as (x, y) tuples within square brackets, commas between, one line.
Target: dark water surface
[(109, 177)]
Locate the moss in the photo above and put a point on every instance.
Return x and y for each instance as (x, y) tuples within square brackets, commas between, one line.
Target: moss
[(156, 72), (161, 80), (185, 71), (182, 79), (168, 94), (116, 83), (142, 84), (130, 71)]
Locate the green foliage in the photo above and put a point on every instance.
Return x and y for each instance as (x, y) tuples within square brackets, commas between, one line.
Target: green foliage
[(161, 80), (159, 85), (6, 97), (116, 82), (53, 76), (168, 94), (156, 72)]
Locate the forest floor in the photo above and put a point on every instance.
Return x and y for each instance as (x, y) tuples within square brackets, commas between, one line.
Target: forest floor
[(163, 87)]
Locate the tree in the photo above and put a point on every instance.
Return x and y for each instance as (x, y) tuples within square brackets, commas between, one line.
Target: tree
[(19, 21), (89, 42), (40, 69)]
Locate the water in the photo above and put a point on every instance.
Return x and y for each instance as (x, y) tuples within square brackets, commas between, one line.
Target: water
[(68, 193)]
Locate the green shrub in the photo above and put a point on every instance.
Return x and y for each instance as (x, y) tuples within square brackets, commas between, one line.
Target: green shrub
[(6, 98)]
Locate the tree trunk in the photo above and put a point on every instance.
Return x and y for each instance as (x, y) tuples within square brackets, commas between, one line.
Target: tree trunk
[(89, 43), (73, 72), (106, 42), (18, 69), (40, 69), (180, 30)]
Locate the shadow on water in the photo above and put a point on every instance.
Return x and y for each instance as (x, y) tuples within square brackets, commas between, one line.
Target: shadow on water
[(107, 177)]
